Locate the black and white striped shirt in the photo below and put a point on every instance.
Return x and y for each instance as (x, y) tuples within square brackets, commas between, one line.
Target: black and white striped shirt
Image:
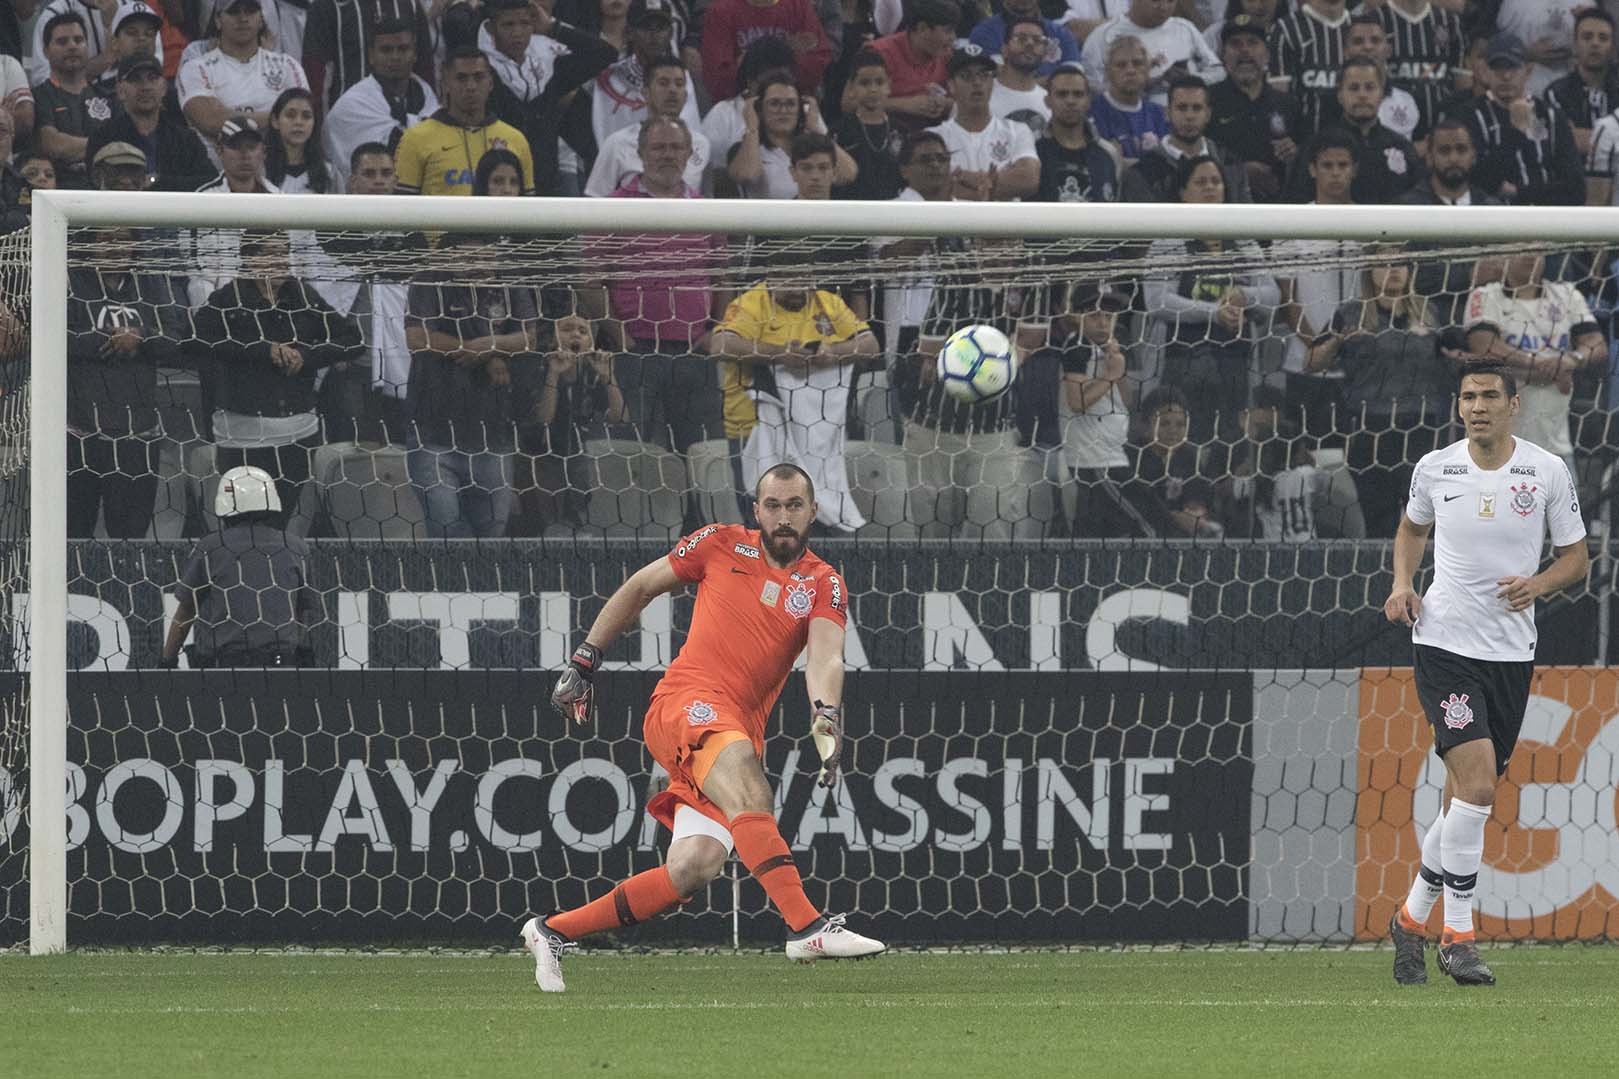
[(338, 34), (1542, 164), (1425, 53), (1306, 52), (1585, 105)]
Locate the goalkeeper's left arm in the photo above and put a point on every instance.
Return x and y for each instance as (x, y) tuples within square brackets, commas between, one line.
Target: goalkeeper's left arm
[(823, 678)]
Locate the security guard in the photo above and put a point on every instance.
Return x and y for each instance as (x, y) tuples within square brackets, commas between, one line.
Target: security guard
[(246, 587)]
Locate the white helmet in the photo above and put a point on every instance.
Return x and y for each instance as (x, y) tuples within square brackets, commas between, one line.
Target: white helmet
[(246, 489)]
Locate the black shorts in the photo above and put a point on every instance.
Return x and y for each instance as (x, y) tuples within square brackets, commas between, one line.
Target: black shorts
[(1467, 699)]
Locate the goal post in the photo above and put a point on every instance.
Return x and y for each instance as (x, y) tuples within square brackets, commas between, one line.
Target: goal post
[(57, 213)]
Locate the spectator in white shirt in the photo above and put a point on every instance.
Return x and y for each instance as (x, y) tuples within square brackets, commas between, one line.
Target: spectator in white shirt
[(761, 164), (990, 158), (1017, 93), (618, 158), (1171, 42), (240, 76), (384, 104), (217, 253)]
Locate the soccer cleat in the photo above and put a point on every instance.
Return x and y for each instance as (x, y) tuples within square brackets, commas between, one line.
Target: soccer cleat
[(828, 939), (1410, 968), (546, 946), (1461, 961)]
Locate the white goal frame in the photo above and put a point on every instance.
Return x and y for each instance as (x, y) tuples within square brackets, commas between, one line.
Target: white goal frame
[(55, 212)]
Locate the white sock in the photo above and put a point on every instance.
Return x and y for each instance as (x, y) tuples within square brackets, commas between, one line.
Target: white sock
[(1430, 882), (1461, 850)]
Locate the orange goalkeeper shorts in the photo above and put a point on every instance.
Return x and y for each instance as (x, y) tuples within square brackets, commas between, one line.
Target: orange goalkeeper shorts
[(677, 727)]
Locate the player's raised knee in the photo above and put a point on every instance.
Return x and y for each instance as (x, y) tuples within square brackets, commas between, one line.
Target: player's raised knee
[(695, 861)]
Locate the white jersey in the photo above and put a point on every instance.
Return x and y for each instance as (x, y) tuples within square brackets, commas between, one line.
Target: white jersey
[(1024, 106), (618, 99), (619, 158), (1545, 323), (1488, 525), (241, 86), (1000, 144)]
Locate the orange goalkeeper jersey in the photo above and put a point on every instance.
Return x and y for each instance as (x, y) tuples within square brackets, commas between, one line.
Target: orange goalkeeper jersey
[(751, 621)]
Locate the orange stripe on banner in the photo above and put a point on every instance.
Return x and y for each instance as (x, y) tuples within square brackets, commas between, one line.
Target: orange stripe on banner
[(1564, 889)]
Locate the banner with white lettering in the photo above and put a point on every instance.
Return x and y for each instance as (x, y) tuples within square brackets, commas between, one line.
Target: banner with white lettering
[(408, 807), (519, 604)]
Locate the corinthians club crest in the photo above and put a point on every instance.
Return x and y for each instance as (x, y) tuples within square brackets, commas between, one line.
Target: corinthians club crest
[(1457, 714), (800, 598), (700, 713), (1523, 499)]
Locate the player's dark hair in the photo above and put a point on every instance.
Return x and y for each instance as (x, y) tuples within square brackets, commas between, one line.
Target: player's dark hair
[(392, 25), (1284, 8), (668, 59), (64, 19), (932, 13), (464, 52), (1332, 139), (1585, 14), (1366, 18), (1484, 370), (786, 470), (1070, 69), (863, 59), (1449, 122), (1015, 21), (1186, 82), (368, 149), (766, 54), (809, 144), (915, 141), (1189, 166), (1366, 62), (1161, 398), (489, 162)]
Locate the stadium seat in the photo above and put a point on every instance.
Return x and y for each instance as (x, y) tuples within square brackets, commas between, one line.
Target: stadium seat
[(365, 493), (709, 466), (877, 474), (636, 489)]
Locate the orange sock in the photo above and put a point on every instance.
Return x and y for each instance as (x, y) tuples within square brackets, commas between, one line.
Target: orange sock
[(764, 852), (1409, 922), (1451, 936), (635, 900)]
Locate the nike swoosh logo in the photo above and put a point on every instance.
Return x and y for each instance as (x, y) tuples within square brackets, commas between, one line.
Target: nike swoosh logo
[(737, 569), (1452, 498)]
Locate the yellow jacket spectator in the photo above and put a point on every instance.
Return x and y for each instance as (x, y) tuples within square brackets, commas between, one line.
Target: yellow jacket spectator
[(440, 155), (790, 353)]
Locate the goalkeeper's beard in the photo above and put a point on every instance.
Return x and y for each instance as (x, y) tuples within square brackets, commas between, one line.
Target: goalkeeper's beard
[(785, 545)]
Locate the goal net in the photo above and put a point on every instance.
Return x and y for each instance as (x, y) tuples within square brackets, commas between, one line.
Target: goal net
[(1118, 668)]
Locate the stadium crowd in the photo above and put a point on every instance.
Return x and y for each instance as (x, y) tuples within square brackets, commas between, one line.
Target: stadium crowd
[(1225, 390)]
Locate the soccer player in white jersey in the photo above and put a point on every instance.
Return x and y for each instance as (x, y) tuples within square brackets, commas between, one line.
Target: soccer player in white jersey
[(1490, 499)]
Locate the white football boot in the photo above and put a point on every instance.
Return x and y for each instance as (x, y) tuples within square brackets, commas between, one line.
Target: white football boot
[(546, 946), (828, 939)]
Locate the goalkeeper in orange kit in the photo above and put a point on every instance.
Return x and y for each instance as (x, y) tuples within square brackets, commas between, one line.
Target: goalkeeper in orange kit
[(762, 598)]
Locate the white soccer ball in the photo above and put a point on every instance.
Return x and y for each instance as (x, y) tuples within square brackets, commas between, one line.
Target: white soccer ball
[(977, 364)]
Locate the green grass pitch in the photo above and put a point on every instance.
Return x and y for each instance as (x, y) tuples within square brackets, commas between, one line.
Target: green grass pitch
[(1108, 1013)]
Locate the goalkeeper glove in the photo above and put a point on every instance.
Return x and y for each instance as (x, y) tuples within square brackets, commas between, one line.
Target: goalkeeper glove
[(574, 696), (827, 729)]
